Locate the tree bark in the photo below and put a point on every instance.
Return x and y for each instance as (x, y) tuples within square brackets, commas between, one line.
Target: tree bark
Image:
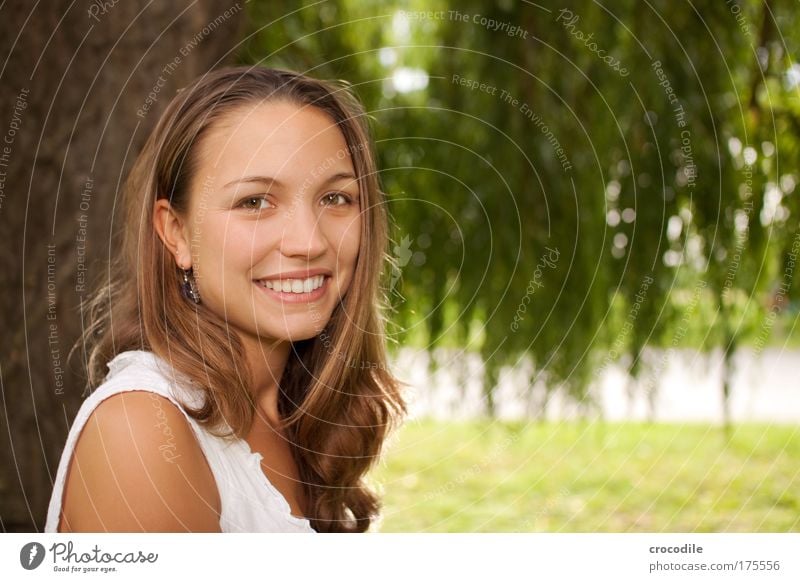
[(74, 112)]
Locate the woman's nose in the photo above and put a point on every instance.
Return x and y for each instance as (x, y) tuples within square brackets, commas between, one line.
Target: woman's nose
[(302, 233)]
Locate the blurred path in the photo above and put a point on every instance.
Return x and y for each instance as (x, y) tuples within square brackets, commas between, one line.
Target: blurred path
[(766, 388)]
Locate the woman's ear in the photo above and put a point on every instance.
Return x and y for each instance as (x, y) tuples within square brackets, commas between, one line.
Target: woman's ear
[(171, 231)]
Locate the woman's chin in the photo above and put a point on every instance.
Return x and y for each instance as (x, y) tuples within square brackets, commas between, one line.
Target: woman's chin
[(294, 333)]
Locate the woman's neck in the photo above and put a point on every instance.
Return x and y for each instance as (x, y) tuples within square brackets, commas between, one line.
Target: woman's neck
[(267, 362)]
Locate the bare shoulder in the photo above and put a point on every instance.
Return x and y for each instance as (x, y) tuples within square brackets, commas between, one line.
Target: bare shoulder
[(137, 466)]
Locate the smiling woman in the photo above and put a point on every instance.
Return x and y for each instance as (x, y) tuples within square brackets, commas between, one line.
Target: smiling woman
[(255, 227)]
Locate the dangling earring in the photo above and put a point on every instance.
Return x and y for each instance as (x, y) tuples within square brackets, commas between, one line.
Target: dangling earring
[(189, 286)]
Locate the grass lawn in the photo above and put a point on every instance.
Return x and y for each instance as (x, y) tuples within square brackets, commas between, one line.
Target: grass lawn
[(470, 476)]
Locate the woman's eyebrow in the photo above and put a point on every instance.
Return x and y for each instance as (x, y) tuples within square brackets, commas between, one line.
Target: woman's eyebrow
[(339, 177), (255, 179), (277, 183)]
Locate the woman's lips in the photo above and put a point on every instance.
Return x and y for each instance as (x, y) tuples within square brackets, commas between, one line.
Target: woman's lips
[(289, 297)]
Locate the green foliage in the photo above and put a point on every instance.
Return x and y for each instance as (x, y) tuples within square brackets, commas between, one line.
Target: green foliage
[(552, 206)]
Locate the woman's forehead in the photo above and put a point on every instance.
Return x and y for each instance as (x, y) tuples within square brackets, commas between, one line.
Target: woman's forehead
[(281, 139)]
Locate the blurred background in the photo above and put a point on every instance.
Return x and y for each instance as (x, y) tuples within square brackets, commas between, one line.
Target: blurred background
[(594, 227)]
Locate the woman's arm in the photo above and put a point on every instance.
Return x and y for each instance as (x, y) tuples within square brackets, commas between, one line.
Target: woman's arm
[(137, 466)]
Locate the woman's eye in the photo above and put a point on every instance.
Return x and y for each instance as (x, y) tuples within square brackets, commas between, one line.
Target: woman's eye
[(254, 203), (336, 199)]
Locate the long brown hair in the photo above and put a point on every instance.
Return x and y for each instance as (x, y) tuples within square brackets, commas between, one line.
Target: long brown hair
[(338, 400)]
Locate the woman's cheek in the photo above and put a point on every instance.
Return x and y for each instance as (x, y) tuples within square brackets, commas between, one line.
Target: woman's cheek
[(353, 235), (348, 256), (239, 247)]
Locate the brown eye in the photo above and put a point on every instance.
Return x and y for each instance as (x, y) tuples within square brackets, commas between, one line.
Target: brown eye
[(336, 199), (254, 203)]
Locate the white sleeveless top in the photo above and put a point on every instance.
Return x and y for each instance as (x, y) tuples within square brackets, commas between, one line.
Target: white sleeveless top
[(249, 502)]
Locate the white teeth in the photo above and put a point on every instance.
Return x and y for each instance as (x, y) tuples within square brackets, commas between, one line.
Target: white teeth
[(295, 285)]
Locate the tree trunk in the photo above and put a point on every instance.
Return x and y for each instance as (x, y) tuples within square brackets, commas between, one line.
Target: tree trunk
[(728, 370), (74, 112)]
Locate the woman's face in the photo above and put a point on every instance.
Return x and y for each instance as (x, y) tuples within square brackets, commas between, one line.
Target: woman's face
[(274, 220)]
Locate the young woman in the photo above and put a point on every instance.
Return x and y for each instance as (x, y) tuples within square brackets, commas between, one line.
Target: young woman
[(247, 387)]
